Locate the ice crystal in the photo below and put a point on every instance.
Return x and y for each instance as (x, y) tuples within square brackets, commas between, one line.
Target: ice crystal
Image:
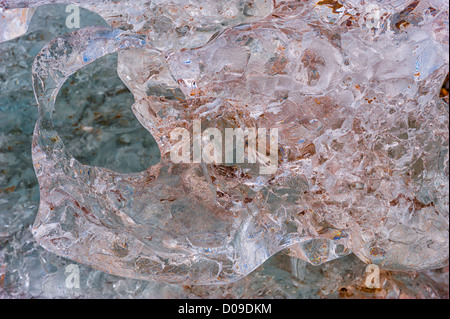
[(352, 87)]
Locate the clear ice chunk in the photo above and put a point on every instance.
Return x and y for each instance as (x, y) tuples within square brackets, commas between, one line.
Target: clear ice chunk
[(14, 23), (353, 89)]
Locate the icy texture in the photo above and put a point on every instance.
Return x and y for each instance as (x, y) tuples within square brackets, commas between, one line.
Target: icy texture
[(14, 23), (41, 274), (171, 24), (353, 90)]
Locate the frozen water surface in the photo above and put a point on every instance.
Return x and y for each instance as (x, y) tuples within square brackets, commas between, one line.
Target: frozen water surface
[(362, 172)]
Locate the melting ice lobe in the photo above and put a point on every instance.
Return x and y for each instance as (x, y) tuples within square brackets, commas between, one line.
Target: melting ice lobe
[(352, 89)]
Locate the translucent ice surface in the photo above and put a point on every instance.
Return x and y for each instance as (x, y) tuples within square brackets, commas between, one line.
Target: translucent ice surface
[(14, 23), (352, 88)]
